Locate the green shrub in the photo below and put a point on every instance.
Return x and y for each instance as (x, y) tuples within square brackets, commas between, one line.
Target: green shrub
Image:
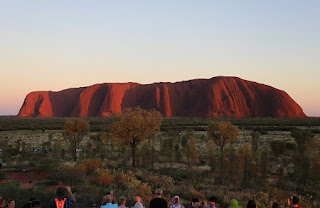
[(12, 190), (43, 195), (68, 175), (49, 164), (47, 183)]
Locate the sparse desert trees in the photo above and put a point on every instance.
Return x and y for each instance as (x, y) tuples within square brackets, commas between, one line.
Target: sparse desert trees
[(74, 131), (134, 126), (212, 155), (222, 133), (305, 145)]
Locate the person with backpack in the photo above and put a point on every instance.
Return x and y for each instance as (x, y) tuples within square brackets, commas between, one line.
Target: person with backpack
[(62, 201)]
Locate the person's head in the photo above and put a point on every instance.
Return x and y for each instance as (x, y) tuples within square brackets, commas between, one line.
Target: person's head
[(195, 202), (109, 193), (31, 199), (11, 203), (137, 199), (251, 204), (35, 203), (213, 201), (122, 201), (176, 200), (295, 200), (159, 192), (61, 191), (2, 201), (275, 205), (107, 199)]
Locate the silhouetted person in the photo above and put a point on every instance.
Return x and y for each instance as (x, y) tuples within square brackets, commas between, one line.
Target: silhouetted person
[(295, 202), (275, 205), (35, 204), (251, 204), (158, 201), (29, 204)]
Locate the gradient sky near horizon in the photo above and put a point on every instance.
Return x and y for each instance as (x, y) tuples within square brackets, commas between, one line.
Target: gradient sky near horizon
[(54, 45)]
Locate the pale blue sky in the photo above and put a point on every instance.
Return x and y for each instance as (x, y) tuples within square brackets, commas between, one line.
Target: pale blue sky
[(53, 45)]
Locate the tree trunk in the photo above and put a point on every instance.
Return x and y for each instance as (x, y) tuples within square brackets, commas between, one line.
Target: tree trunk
[(133, 154), (221, 162), (75, 151)]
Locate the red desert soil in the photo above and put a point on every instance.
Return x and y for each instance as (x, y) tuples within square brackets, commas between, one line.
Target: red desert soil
[(26, 178)]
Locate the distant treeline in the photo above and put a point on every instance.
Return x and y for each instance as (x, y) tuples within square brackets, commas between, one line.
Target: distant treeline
[(180, 124)]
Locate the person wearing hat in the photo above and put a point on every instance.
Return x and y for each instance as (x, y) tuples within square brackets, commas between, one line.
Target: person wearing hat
[(158, 201), (176, 203), (251, 204)]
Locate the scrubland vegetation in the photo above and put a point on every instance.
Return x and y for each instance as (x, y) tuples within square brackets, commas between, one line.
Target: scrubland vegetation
[(267, 160)]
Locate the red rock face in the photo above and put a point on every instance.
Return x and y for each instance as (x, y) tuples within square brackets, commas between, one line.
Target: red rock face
[(215, 97)]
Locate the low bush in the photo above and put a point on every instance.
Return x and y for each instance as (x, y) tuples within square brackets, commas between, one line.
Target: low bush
[(12, 190), (68, 175), (47, 183)]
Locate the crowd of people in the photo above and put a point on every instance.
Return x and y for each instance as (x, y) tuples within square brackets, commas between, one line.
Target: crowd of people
[(66, 199)]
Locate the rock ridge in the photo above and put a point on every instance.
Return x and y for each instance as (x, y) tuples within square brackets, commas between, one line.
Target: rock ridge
[(215, 97)]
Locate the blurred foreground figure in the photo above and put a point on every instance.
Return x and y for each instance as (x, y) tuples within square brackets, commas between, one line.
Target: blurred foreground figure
[(62, 201)]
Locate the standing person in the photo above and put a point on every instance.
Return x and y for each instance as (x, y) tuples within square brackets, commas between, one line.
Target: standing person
[(11, 203), (29, 204), (107, 202), (2, 202), (251, 204), (122, 202), (136, 200), (35, 204), (62, 201), (295, 201), (114, 201), (195, 203), (212, 202), (158, 201), (176, 202)]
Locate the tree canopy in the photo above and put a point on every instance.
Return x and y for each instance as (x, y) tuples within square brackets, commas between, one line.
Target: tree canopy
[(134, 126), (74, 130), (222, 133)]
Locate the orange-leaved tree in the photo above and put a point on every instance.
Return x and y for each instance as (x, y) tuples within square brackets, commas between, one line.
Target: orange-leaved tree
[(74, 131), (134, 126), (222, 133)]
